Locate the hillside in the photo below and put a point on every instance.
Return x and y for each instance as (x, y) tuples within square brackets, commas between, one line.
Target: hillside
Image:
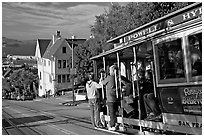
[(16, 47)]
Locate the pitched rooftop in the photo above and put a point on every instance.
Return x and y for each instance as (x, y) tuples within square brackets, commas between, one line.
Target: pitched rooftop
[(43, 44)]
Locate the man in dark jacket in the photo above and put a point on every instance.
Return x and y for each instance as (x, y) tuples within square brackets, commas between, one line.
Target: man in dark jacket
[(110, 84)]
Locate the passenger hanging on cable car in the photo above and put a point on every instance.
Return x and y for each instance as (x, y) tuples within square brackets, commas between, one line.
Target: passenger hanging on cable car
[(128, 101), (102, 94), (112, 101), (146, 89), (94, 101), (143, 88), (153, 111)]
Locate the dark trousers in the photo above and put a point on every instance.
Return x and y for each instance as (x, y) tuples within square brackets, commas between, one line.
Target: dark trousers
[(150, 104), (112, 108), (95, 114)]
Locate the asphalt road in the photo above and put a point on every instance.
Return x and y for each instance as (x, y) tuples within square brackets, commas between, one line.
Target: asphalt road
[(47, 117)]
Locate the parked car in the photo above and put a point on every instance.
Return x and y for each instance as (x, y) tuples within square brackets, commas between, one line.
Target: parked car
[(14, 95), (80, 94), (27, 96)]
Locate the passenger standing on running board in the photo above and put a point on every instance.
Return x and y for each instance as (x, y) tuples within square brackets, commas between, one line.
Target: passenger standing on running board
[(110, 84), (91, 88)]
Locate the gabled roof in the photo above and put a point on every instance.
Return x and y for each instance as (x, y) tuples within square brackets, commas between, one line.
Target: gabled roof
[(52, 48), (43, 44)]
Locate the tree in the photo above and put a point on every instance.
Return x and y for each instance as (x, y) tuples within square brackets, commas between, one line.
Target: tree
[(84, 52), (23, 78)]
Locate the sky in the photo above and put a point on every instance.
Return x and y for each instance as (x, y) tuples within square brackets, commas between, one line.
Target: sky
[(40, 20)]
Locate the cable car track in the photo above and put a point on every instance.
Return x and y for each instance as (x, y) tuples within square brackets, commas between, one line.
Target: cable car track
[(51, 115), (16, 127), (4, 129)]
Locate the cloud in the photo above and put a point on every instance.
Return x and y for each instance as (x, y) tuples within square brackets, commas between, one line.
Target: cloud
[(51, 10), (34, 9), (47, 17)]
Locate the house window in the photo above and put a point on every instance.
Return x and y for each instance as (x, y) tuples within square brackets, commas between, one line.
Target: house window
[(59, 64), (44, 62), (48, 63), (68, 79), (63, 78), (64, 63), (59, 79), (64, 49)]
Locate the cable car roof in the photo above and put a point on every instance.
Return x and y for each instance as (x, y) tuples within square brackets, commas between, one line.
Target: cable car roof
[(126, 53)]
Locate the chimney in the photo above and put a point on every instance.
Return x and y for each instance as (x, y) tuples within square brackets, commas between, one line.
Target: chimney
[(56, 36), (73, 37)]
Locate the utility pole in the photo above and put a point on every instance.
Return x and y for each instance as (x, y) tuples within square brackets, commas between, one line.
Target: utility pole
[(72, 70)]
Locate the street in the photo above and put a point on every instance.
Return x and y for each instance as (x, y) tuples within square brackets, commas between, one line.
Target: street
[(47, 117)]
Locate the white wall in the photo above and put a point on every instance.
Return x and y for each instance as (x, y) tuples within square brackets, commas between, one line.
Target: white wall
[(40, 70), (46, 82)]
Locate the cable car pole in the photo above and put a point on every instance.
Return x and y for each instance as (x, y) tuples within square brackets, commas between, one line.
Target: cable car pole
[(138, 89), (119, 91), (104, 68)]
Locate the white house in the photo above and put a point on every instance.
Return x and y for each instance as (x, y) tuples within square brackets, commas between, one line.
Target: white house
[(54, 59)]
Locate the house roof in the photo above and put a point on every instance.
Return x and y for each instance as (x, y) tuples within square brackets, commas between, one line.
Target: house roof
[(52, 48), (43, 44)]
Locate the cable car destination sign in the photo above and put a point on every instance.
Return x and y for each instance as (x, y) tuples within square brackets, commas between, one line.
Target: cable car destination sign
[(194, 13)]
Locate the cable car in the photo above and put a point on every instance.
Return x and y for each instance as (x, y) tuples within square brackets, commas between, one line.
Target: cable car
[(171, 47)]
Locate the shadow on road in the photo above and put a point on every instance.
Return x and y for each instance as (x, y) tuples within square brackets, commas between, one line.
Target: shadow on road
[(23, 120), (75, 103)]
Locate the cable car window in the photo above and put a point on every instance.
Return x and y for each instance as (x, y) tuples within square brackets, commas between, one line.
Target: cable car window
[(195, 45), (170, 58)]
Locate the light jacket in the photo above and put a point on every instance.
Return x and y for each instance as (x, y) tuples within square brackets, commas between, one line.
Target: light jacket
[(91, 88)]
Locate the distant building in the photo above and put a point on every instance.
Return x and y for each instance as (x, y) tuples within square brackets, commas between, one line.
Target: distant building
[(53, 59)]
